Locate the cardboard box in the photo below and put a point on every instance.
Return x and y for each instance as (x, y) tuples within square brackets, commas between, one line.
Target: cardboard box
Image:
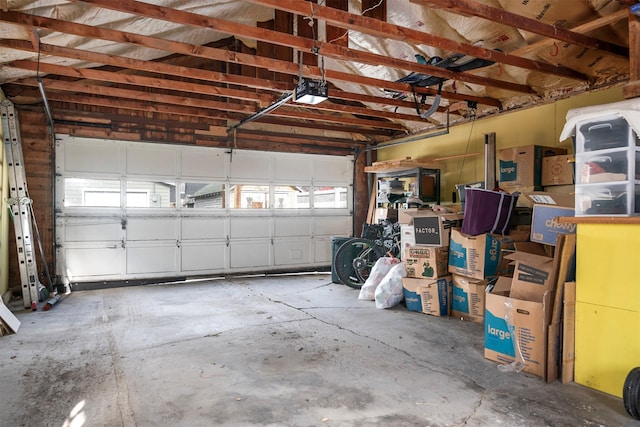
[(405, 216), (533, 276), (516, 330), (412, 298), (468, 297), (426, 262), (558, 170), (547, 207), (477, 257), (428, 296), (522, 166), (431, 228)]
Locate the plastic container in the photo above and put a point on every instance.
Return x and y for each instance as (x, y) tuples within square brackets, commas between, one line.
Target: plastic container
[(620, 199)]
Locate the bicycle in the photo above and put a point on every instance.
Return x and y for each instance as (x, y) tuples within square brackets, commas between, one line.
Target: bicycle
[(355, 258)]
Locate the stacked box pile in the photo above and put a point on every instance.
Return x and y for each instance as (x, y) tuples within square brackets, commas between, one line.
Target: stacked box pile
[(504, 276), (425, 242)]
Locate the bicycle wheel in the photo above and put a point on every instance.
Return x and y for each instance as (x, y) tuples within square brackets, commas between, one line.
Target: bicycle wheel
[(354, 260)]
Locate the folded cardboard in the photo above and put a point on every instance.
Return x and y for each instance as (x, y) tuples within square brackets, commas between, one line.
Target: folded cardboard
[(428, 296), (558, 170), (431, 228), (476, 256), (533, 276), (407, 237), (546, 209), (516, 330), (522, 166), (468, 297), (426, 262)]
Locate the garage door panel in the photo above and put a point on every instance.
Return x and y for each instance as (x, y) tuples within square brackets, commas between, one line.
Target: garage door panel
[(204, 164), (291, 169), (152, 259), (255, 253), (204, 228), (250, 165), (289, 227), (332, 226), (291, 251), (322, 250), (152, 229), (91, 229), (204, 257), (151, 161), (332, 169), (92, 156), (250, 227), (88, 262)]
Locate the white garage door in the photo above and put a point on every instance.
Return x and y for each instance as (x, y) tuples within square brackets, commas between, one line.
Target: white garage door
[(128, 211)]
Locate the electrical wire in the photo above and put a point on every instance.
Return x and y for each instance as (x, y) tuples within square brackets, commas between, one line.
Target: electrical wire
[(466, 150)]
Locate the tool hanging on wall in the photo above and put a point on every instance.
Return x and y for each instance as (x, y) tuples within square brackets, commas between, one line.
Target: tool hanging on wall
[(20, 205)]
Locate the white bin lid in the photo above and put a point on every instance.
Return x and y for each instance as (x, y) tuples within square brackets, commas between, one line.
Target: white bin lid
[(628, 109)]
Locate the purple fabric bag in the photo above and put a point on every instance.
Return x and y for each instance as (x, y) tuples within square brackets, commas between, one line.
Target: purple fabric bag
[(487, 211)]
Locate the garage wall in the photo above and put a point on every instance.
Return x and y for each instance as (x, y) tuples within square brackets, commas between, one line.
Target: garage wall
[(540, 125)]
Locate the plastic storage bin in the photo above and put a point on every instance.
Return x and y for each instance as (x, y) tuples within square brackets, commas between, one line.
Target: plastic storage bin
[(603, 134), (609, 199), (607, 168)]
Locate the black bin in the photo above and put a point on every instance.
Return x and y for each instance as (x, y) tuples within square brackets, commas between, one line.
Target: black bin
[(336, 242)]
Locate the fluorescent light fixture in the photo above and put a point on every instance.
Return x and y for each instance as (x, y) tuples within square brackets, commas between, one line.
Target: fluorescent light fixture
[(311, 92)]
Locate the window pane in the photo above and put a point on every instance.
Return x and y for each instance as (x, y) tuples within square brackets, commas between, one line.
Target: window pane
[(330, 197), (151, 194), (91, 192), (291, 197), (249, 196), (202, 195)]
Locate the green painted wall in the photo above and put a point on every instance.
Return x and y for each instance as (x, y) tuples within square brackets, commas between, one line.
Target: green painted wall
[(539, 125)]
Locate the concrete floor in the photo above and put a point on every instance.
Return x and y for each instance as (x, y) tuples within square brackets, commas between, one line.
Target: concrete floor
[(267, 351)]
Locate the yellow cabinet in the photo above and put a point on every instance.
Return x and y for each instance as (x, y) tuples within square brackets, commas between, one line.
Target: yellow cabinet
[(607, 305)]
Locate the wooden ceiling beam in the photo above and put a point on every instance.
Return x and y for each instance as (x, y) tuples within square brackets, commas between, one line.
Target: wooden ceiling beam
[(229, 56), (301, 43), (140, 95), (181, 71), (151, 82), (582, 29), (475, 8), (148, 66), (390, 31)]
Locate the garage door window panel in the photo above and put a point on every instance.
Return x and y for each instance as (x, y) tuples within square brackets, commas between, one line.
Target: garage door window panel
[(292, 197), (151, 194), (87, 192), (249, 196), (330, 197), (202, 195)]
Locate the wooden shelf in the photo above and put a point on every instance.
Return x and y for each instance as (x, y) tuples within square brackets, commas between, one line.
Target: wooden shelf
[(600, 219), (400, 165)]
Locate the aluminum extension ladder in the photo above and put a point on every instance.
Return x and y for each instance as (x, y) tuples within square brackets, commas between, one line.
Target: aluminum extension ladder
[(20, 205)]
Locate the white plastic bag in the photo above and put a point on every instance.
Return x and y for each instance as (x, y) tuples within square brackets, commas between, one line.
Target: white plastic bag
[(389, 292), (379, 270)]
